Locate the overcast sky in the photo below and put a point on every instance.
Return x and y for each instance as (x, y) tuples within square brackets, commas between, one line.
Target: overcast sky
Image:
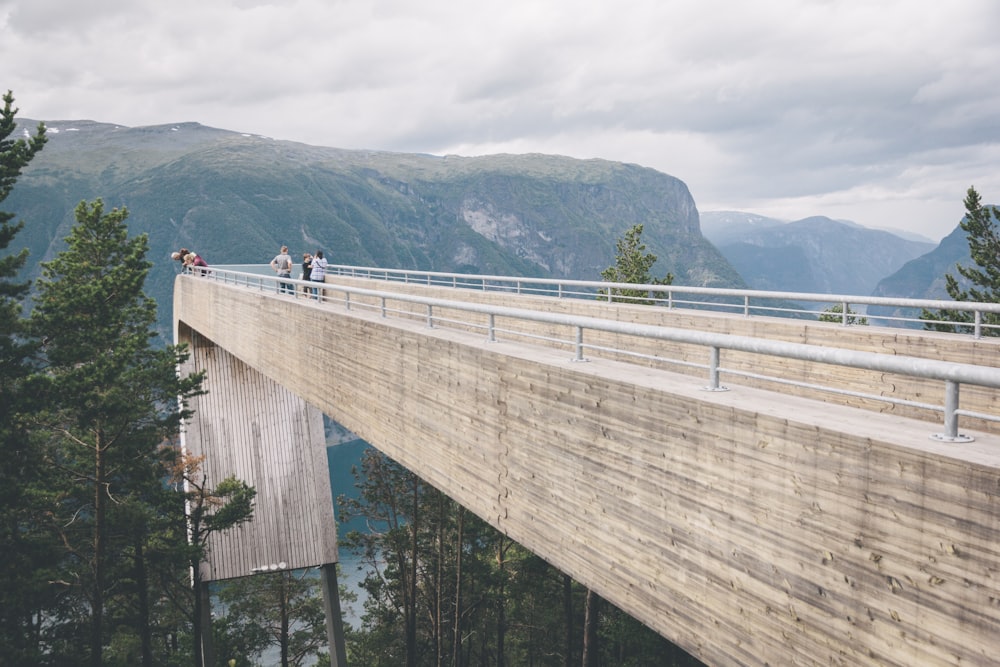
[(883, 112)]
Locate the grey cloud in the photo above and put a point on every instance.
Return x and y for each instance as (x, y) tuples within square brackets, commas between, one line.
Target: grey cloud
[(783, 103)]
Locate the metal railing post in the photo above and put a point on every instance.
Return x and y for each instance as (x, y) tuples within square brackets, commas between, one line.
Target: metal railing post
[(347, 300), (579, 344), (746, 306), (383, 307), (951, 389), (430, 316), (491, 329), (713, 370), (951, 433), (978, 332)]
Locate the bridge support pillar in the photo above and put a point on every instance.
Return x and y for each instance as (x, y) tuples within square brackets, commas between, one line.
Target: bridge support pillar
[(334, 619), (249, 426)]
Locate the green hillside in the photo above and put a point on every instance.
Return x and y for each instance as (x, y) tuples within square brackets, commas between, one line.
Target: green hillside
[(236, 198)]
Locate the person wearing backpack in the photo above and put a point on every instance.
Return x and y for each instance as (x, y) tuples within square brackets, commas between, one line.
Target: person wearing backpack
[(282, 265), (318, 274)]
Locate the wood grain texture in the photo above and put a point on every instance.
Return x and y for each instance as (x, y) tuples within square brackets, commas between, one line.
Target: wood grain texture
[(750, 527), (253, 427)]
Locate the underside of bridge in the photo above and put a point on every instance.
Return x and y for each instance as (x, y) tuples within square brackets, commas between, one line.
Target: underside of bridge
[(748, 527)]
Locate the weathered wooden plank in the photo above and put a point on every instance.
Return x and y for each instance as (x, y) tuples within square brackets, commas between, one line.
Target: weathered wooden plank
[(748, 526), (254, 428)]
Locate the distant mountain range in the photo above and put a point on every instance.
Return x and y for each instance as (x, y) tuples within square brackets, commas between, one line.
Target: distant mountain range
[(814, 254), (236, 198)]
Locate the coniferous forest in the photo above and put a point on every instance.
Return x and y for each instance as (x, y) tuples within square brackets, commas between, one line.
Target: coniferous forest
[(445, 588), (103, 518)]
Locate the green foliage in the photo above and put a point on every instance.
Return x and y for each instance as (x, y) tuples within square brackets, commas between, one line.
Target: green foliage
[(14, 157), (209, 510), (446, 588), (982, 280), (234, 504), (835, 314), (633, 265), (282, 610), (27, 562), (235, 199), (107, 399)]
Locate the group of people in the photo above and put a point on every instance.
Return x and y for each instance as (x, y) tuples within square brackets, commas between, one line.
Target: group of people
[(313, 270), (188, 260)]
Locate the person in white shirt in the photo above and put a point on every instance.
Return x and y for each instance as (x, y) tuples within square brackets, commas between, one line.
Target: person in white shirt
[(318, 274)]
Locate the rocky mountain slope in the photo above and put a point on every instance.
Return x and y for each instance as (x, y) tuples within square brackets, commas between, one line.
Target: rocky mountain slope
[(814, 254), (236, 198)]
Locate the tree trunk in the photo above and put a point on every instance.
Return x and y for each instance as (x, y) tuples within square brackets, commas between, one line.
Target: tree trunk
[(194, 519), (197, 639), (590, 623), (142, 585), (456, 658), (568, 614), (411, 585), (100, 547), (501, 603), (439, 586), (283, 611)]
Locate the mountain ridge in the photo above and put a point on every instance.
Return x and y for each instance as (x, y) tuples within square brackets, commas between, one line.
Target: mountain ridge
[(815, 254), (236, 198)]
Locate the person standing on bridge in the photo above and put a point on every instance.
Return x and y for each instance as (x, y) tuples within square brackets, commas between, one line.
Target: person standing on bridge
[(282, 264), (306, 270), (193, 263), (318, 273)]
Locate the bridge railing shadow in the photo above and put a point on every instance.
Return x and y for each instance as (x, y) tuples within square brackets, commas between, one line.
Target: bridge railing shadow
[(661, 346)]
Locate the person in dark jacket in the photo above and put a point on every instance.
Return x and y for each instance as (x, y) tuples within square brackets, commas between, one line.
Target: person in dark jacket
[(306, 270)]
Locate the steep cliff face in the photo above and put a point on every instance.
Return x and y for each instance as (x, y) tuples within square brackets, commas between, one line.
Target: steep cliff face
[(564, 216), (237, 198)]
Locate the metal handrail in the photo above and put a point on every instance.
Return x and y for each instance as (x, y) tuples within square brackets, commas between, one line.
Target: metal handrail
[(953, 374), (746, 301)]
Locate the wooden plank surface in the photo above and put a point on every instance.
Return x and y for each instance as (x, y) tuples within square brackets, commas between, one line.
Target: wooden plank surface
[(748, 526)]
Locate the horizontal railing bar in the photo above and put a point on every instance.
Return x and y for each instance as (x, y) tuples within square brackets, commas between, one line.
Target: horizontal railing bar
[(912, 366), (834, 299), (953, 374)]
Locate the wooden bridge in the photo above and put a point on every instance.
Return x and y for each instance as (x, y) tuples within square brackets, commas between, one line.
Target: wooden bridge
[(819, 512)]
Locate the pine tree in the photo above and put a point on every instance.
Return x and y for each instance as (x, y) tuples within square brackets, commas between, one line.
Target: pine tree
[(481, 598), (633, 265), (209, 510), (112, 399), (835, 314), (282, 609), (980, 225), (20, 590)]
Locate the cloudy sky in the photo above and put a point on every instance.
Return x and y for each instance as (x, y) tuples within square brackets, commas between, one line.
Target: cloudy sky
[(879, 111)]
